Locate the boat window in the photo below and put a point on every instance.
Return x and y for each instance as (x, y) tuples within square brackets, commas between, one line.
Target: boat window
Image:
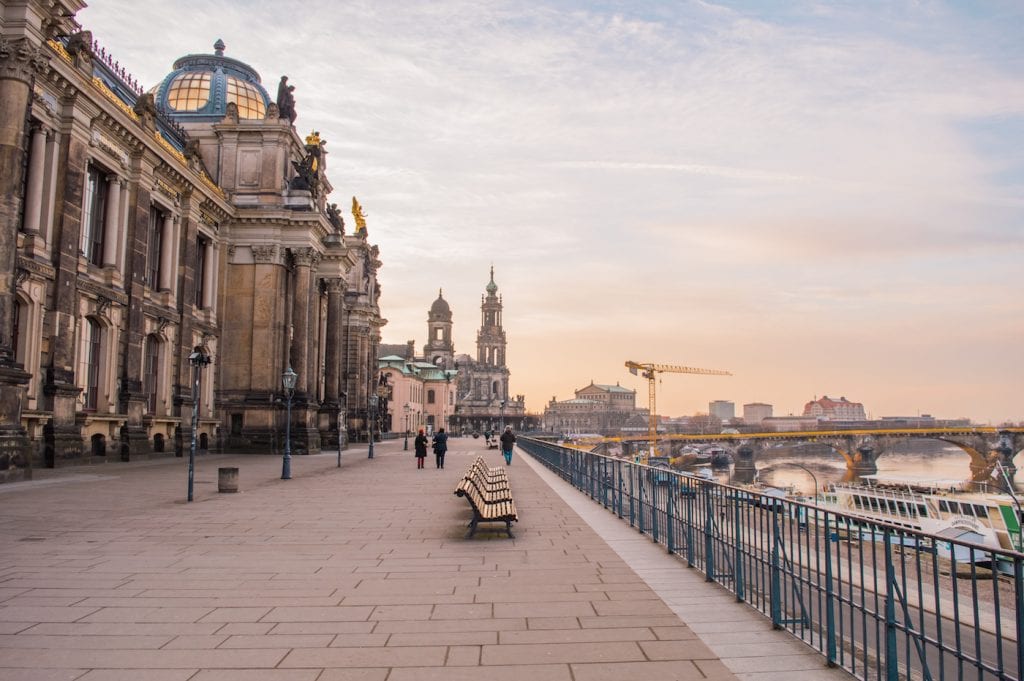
[(966, 509), (858, 502), (943, 506), (922, 510), (981, 511)]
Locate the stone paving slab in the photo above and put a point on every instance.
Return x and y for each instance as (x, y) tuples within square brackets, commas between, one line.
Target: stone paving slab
[(357, 573)]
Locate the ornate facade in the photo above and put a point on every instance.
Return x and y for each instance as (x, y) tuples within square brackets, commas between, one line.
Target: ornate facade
[(137, 227), (597, 408), (482, 400)]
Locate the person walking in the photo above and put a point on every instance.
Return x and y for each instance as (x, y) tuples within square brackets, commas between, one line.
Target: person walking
[(440, 446), (507, 441), (421, 449)]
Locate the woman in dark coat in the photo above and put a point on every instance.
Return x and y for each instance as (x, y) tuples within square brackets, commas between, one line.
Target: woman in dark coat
[(440, 446), (421, 449)]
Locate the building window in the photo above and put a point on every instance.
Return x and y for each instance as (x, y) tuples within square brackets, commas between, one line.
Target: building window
[(189, 92), (151, 370), (94, 215), (200, 275), (156, 237), (91, 365), (247, 98), (430, 397)]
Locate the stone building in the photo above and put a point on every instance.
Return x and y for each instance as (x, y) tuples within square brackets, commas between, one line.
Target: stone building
[(597, 408), (828, 409), (138, 228)]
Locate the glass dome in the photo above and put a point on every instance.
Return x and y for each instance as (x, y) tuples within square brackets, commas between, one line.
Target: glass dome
[(202, 85)]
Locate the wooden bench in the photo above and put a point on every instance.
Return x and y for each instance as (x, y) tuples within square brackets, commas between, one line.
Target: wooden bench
[(487, 491)]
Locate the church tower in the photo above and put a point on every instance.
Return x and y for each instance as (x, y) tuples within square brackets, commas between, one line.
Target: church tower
[(439, 350), (490, 340)]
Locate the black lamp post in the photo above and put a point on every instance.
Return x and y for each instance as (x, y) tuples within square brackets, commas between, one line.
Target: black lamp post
[(407, 409), (198, 359), (371, 417), (288, 379), (501, 411), (341, 421)]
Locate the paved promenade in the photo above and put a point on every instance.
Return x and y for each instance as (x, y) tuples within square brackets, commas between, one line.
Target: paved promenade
[(352, 573)]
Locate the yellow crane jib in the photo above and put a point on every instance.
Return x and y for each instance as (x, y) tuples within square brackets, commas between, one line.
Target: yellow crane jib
[(649, 370)]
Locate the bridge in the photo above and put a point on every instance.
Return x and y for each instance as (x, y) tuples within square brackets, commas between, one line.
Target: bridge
[(986, 446)]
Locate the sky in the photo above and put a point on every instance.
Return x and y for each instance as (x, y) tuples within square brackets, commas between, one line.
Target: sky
[(824, 198)]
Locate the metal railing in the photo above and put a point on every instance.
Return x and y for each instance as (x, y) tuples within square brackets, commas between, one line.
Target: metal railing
[(879, 600)]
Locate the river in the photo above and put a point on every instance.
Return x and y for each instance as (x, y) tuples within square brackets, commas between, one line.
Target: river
[(923, 459)]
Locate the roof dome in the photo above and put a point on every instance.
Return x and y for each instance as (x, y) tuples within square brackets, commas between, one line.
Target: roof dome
[(440, 308), (202, 85)]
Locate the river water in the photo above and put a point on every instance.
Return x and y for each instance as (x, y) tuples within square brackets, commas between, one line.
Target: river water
[(921, 459)]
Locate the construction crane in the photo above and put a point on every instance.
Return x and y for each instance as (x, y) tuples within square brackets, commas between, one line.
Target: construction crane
[(650, 372)]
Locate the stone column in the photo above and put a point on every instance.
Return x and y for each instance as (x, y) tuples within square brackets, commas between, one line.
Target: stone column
[(167, 245), (335, 328), (301, 315), (34, 186), (209, 280), (113, 221), (19, 61)]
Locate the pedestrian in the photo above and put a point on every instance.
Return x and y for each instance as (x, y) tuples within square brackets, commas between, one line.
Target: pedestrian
[(440, 446), (507, 440), (421, 449)]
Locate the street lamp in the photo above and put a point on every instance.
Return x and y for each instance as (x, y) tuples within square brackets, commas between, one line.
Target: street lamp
[(407, 409), (371, 417), (341, 420), (810, 473), (198, 359), (288, 379), (501, 411)]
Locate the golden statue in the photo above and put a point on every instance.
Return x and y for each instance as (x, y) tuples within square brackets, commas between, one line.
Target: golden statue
[(359, 215), (313, 139)]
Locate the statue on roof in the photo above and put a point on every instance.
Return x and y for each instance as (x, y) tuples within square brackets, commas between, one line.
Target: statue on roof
[(359, 215), (334, 217), (286, 100)]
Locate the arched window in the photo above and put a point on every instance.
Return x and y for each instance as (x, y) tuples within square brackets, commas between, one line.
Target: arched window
[(151, 370), (92, 349), (94, 215), (430, 397)]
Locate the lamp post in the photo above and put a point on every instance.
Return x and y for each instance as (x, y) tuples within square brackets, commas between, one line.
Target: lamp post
[(288, 379), (341, 421), (198, 359), (813, 477), (501, 412), (371, 415), (407, 409)]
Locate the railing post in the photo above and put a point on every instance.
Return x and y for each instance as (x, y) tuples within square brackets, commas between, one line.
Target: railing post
[(830, 606), (632, 495), (670, 507), (776, 578), (709, 528), (619, 467), (689, 523), (892, 662), (1018, 592), (640, 499), (737, 539)]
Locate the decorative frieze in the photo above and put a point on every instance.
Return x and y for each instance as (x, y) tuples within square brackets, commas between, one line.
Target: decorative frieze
[(20, 60), (265, 255), (40, 269)]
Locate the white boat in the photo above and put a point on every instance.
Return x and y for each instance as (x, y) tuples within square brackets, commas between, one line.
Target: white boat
[(946, 508)]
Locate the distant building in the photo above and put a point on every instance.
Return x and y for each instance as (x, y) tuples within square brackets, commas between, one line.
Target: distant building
[(597, 408), (756, 412), (723, 409), (828, 409), (788, 424), (445, 390)]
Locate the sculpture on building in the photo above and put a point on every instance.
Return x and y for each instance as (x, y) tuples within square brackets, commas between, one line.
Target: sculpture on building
[(334, 217), (286, 100), (359, 216)]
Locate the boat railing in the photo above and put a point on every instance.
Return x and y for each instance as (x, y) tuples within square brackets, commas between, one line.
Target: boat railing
[(874, 595)]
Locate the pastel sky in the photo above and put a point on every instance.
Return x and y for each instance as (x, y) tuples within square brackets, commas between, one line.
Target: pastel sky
[(825, 198)]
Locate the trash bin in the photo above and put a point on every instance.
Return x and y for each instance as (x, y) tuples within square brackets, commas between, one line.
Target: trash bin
[(227, 479)]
